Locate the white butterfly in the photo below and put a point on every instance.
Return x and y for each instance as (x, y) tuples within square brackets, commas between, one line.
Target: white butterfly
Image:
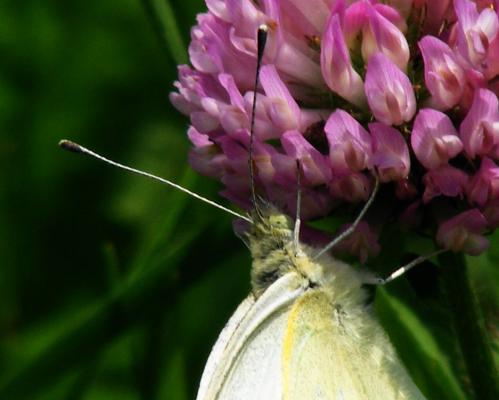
[(304, 332)]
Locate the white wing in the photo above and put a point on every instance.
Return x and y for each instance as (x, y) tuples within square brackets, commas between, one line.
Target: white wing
[(294, 344), (217, 352), (330, 353), (246, 360)]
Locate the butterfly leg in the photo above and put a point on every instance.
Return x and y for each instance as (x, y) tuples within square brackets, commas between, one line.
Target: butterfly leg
[(402, 270), (296, 230), (352, 227)]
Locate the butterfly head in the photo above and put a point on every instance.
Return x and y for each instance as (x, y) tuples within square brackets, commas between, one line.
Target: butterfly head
[(269, 222), (270, 242)]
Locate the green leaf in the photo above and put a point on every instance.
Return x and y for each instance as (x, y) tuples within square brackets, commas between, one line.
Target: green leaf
[(430, 367), (164, 23)]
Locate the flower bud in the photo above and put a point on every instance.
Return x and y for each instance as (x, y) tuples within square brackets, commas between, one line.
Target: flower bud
[(444, 77), (390, 152), (389, 92), (484, 186), (282, 109), (354, 187), (405, 190), (464, 232), (362, 243), (475, 31), (205, 157), (434, 138), (315, 167), (444, 181), (380, 35), (479, 131), (349, 143), (336, 66)]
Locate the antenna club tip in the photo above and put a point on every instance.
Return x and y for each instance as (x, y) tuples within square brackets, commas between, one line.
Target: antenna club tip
[(70, 146), (263, 28)]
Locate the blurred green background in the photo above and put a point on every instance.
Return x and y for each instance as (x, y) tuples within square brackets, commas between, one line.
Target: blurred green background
[(113, 287)]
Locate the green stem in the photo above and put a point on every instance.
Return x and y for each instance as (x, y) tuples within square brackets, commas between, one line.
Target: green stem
[(469, 327), (165, 24)]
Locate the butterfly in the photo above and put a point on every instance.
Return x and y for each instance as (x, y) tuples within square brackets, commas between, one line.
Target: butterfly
[(304, 332)]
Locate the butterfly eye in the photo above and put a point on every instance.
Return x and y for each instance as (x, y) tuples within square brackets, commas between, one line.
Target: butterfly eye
[(279, 221)]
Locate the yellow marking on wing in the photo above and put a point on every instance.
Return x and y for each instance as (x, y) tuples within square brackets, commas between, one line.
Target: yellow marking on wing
[(332, 352), (288, 347), (307, 348)]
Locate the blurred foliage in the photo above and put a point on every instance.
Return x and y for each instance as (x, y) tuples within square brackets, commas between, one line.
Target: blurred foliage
[(112, 287)]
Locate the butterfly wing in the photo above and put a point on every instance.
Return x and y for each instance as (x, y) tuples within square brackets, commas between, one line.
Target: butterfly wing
[(246, 360), (328, 353), (218, 350)]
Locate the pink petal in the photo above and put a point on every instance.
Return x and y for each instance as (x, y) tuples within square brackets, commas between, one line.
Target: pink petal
[(492, 62), (394, 11), (390, 152), (283, 109), (354, 19), (218, 8), (405, 190), (354, 187), (479, 130), (444, 77), (464, 232), (235, 97), (336, 66), (198, 139), (314, 165), (444, 181), (349, 143), (265, 128), (380, 35), (233, 119), (180, 103), (484, 186), (362, 243), (263, 155), (204, 122), (389, 91), (285, 167), (216, 47), (434, 138), (314, 202), (206, 157), (475, 31), (466, 13), (315, 12), (237, 156)]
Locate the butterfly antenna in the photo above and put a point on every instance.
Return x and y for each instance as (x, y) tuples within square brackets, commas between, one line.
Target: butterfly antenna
[(260, 42), (352, 227), (76, 148), (296, 231), (402, 270)]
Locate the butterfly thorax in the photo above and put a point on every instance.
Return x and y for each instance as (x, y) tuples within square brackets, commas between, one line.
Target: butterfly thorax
[(274, 253), (271, 246)]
